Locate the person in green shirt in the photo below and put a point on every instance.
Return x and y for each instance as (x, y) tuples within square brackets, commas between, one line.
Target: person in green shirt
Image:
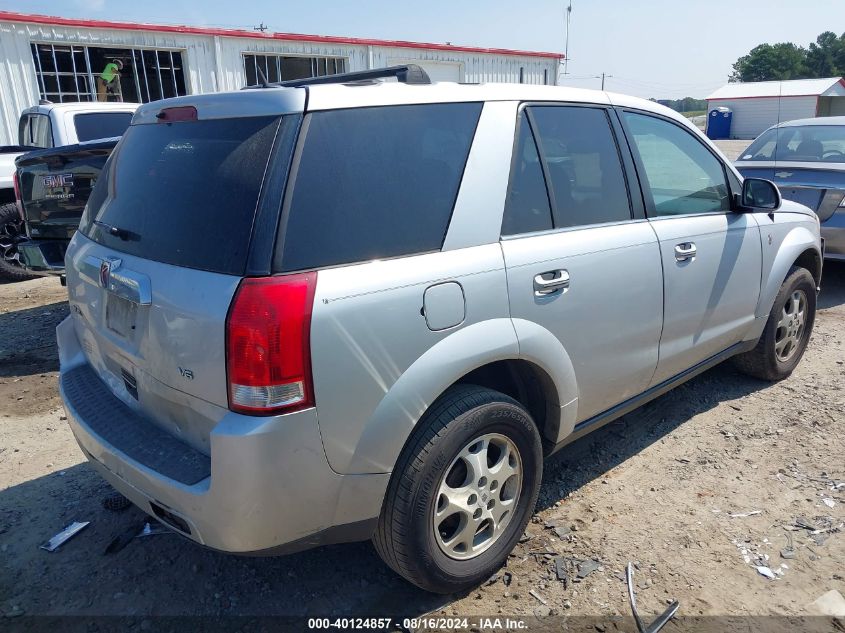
[(108, 82)]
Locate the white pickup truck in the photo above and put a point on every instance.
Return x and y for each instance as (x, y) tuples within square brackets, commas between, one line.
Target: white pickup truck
[(43, 126)]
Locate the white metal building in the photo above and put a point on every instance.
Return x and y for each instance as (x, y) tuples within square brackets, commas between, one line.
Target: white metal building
[(61, 59), (759, 105)]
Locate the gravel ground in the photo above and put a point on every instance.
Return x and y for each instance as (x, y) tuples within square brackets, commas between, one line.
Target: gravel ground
[(699, 488), (732, 149)]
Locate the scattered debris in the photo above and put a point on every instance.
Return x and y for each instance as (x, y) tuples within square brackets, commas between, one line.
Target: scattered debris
[(123, 539), (660, 621), (765, 571), (561, 570), (116, 502), (507, 578), (803, 523), (70, 531), (151, 529), (831, 603), (492, 579), (742, 515), (828, 502), (538, 596), (562, 531), (587, 567)]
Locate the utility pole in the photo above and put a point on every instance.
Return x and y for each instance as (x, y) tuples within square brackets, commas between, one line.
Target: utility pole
[(603, 77), (566, 45), (261, 27)]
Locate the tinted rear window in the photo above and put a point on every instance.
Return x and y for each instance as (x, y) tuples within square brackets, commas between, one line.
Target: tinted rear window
[(375, 183), (90, 127), (185, 193), (801, 144)]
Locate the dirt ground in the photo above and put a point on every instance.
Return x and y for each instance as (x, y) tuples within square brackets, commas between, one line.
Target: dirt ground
[(698, 488)]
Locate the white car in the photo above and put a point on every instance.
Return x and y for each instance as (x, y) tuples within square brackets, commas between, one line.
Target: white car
[(42, 126)]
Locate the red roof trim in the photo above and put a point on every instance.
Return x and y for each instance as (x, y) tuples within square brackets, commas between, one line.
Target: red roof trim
[(9, 16)]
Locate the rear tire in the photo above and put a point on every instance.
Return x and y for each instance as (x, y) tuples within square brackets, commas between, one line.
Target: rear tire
[(448, 522), (11, 230), (787, 331)]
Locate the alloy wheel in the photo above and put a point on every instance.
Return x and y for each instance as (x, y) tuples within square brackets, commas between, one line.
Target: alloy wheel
[(790, 328), (11, 234), (477, 496)]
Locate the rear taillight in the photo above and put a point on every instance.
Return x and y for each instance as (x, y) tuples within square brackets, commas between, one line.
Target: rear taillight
[(268, 344), (18, 198)]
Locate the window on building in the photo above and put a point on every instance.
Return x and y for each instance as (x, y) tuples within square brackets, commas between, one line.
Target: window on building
[(94, 73), (285, 67)]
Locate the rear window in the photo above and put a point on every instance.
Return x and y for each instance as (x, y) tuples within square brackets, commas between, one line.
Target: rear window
[(374, 183), (800, 144), (97, 125), (183, 193)]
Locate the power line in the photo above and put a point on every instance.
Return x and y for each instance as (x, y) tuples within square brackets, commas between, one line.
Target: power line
[(603, 76)]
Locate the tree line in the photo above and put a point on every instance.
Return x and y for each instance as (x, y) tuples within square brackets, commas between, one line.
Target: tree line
[(823, 58)]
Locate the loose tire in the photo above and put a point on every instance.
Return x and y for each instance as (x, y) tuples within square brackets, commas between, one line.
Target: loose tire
[(11, 230), (787, 331), (462, 491)]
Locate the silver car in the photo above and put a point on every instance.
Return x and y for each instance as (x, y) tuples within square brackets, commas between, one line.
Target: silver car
[(338, 310), (806, 160)]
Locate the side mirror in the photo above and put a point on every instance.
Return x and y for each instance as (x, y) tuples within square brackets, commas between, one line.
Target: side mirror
[(760, 194)]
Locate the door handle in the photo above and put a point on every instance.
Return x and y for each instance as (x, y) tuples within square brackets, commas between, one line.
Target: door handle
[(550, 282), (685, 252)]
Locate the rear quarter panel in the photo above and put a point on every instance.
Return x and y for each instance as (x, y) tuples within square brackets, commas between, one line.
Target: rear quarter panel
[(377, 366)]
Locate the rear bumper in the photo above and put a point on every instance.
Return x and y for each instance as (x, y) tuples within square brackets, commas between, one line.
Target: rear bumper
[(266, 486), (833, 232), (44, 256)]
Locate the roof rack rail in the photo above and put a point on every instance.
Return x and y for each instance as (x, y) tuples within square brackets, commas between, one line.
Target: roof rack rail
[(406, 73)]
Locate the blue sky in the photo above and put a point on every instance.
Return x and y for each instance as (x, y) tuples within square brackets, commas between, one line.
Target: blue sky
[(653, 48)]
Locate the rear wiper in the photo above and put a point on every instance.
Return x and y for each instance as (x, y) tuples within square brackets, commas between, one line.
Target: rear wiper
[(123, 234)]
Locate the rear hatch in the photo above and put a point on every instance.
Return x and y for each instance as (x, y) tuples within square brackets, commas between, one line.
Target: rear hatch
[(163, 244), (814, 186), (55, 185)]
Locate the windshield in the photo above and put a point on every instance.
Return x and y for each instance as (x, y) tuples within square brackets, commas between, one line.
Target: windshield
[(809, 143), (97, 125)]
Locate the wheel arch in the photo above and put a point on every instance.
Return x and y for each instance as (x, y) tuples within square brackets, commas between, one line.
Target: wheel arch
[(800, 247), (534, 370)]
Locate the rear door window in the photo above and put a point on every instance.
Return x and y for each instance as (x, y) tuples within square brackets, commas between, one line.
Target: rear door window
[(583, 165), (527, 208), (97, 125), (373, 183), (183, 193)]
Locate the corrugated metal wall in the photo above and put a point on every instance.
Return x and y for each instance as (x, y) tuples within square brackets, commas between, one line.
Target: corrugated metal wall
[(215, 63), (753, 116)]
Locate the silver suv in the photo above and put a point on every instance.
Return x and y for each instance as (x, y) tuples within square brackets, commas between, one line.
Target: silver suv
[(311, 314)]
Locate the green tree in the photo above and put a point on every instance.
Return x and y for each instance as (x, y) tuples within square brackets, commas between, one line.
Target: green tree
[(826, 54), (768, 62)]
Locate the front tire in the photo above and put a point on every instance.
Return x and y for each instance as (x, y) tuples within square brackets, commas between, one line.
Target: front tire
[(787, 331), (462, 491)]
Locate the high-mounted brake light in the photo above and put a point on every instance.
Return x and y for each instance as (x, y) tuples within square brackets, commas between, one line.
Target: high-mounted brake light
[(18, 198), (268, 344), (180, 113)]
